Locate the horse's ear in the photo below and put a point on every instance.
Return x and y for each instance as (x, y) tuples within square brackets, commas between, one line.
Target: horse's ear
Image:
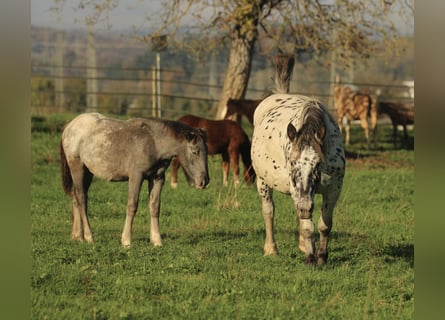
[(203, 133), (291, 132)]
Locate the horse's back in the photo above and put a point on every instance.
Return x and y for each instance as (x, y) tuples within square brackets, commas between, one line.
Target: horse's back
[(105, 145), (220, 133)]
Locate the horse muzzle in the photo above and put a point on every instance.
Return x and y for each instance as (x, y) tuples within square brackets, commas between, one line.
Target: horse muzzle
[(202, 183)]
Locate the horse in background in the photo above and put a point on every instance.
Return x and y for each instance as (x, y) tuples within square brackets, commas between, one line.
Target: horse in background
[(354, 105), (245, 107), (133, 150), (297, 149), (225, 137), (400, 114)]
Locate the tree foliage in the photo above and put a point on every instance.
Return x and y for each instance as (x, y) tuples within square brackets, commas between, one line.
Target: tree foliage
[(347, 29)]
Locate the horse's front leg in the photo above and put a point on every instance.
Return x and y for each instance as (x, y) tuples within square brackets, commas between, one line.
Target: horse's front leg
[(174, 178), (325, 226), (225, 165), (306, 236), (267, 209), (134, 187), (365, 126), (234, 163), (347, 130), (154, 188)]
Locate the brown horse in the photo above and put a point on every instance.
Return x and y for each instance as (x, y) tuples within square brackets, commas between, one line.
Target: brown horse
[(224, 137), (244, 107), (134, 150), (401, 114)]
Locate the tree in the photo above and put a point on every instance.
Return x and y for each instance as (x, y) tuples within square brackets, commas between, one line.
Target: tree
[(347, 29)]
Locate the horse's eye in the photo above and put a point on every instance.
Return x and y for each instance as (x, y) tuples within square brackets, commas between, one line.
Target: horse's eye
[(195, 152)]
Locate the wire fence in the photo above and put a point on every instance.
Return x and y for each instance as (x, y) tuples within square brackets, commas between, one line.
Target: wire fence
[(131, 91)]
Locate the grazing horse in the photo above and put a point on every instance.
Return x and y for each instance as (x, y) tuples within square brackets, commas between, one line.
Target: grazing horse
[(354, 105), (297, 150), (224, 137), (400, 114), (244, 107), (134, 150)]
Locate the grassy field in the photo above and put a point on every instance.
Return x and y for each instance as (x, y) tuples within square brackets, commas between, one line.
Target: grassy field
[(211, 265)]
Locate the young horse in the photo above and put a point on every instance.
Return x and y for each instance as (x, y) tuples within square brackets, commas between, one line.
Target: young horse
[(134, 150), (297, 149), (244, 107), (354, 105), (224, 137)]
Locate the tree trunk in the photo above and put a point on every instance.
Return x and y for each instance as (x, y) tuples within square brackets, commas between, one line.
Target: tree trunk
[(238, 72)]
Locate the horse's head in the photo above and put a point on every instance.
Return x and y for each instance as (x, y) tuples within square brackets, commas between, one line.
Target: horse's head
[(305, 157), (231, 107), (193, 158)]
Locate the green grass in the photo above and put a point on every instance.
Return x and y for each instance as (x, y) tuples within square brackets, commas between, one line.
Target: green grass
[(211, 265)]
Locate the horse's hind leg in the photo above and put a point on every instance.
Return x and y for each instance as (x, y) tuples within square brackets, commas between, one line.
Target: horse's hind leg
[(267, 209), (82, 178)]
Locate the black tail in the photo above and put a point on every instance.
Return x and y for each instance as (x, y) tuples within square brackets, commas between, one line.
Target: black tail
[(67, 180), (249, 173)]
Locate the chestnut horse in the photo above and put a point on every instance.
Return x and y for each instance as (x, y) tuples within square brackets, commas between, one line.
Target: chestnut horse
[(134, 150), (244, 107), (225, 137)]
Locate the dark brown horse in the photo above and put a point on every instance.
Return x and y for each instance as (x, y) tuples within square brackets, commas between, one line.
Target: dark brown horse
[(224, 137), (400, 113), (244, 107), (134, 150)]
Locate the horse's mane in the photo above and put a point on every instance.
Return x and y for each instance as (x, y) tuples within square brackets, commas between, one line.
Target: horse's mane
[(178, 129), (313, 130)]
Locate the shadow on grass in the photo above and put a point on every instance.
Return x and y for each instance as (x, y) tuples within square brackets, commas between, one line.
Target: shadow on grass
[(403, 251)]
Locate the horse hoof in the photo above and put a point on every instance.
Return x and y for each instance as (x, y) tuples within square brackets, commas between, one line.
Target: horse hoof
[(126, 243), (77, 237), (310, 260), (156, 243), (270, 250), (174, 185), (322, 259)]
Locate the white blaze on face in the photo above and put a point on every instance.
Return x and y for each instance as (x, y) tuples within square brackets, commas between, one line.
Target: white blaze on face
[(306, 163)]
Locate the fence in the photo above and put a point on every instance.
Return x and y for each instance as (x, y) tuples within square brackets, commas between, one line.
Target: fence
[(131, 91)]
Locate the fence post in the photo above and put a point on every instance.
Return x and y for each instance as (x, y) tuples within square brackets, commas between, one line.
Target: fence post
[(153, 90), (91, 70), (159, 43)]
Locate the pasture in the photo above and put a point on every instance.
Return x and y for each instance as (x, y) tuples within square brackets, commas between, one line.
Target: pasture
[(211, 264)]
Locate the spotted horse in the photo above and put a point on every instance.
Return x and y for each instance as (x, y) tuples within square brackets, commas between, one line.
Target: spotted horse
[(297, 150)]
